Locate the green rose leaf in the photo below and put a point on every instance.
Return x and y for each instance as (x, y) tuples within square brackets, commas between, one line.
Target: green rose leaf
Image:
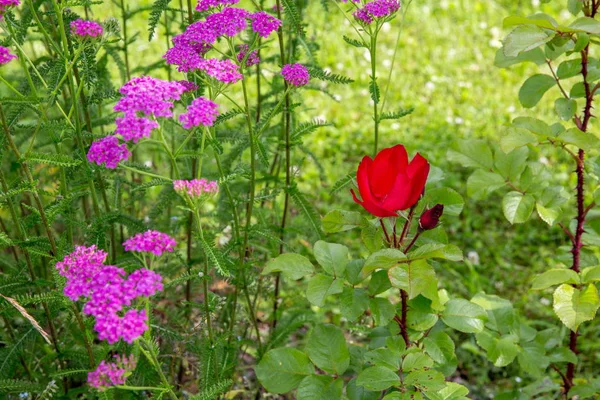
[(481, 183), (332, 257), (384, 259), (414, 361), (464, 316), (450, 198), (382, 311), (565, 108), (586, 24), (583, 140), (320, 387), (281, 370), (340, 221), (353, 303), (534, 89), (517, 207), (326, 347), (590, 274), (515, 138), (554, 277), (429, 380), (525, 38), (441, 349), (472, 153), (436, 250), (500, 350), (574, 306), (321, 286), (378, 378), (293, 266), (415, 278)]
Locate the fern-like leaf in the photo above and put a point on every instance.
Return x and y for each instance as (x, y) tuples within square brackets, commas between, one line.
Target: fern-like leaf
[(342, 183), (307, 127), (374, 90), (307, 209), (158, 8), (318, 73), (396, 114), (289, 7), (60, 160), (353, 42), (214, 391)]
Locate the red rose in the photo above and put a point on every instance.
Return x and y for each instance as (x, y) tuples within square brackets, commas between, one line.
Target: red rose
[(390, 183), (431, 217)]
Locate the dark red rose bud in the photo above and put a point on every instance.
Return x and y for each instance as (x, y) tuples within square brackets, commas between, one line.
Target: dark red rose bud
[(431, 218)]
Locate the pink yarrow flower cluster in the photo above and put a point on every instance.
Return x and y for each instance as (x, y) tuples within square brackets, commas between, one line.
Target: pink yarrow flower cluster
[(109, 374), (251, 59), (295, 74), (142, 95), (154, 242), (202, 111), (204, 5), (190, 47), (109, 291), (108, 151), (264, 24), (6, 56), (6, 4), (196, 188), (133, 128), (85, 28), (376, 9)]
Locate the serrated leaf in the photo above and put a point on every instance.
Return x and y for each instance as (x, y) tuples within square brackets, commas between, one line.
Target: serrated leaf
[(293, 266), (378, 378), (534, 89), (524, 38), (281, 370), (326, 347), (464, 316), (517, 207), (574, 306), (554, 277)]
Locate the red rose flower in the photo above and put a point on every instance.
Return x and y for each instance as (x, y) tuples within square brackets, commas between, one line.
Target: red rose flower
[(390, 183)]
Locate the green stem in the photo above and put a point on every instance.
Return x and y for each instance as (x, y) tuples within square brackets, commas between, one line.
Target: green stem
[(249, 210), (373, 52), (288, 168), (151, 356)]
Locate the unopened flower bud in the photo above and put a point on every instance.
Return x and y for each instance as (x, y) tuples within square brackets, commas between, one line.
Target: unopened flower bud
[(431, 217)]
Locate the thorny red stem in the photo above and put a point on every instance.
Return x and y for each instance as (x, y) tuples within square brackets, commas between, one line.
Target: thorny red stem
[(582, 124)]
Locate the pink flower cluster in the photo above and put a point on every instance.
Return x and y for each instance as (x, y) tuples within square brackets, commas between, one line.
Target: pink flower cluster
[(228, 22), (110, 374), (196, 188), (133, 128), (376, 9), (108, 291), (191, 46), (264, 24), (6, 56), (148, 96), (295, 74), (84, 28), (204, 5), (6, 4), (154, 242), (251, 59), (222, 70), (108, 151), (202, 111)]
